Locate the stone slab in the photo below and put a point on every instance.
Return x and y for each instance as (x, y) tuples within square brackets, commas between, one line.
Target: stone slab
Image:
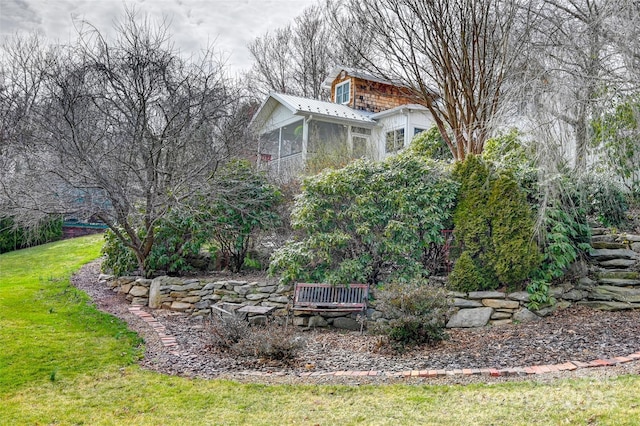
[(139, 291), (525, 315), (468, 318), (610, 305), (346, 323), (465, 303), (619, 282), (486, 295), (617, 263), (521, 296), (501, 303), (620, 294), (610, 254)]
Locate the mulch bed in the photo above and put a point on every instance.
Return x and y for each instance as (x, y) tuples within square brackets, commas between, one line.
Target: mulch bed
[(573, 334)]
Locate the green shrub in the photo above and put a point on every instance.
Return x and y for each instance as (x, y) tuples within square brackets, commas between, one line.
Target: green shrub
[(118, 259), (562, 233), (417, 313), (368, 222), (603, 198), (430, 144), (244, 203), (177, 244), (468, 276), (14, 237), (494, 225)]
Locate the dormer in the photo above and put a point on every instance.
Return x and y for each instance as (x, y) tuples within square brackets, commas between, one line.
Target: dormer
[(363, 91)]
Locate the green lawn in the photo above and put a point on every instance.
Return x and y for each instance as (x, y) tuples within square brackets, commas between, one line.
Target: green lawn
[(63, 362)]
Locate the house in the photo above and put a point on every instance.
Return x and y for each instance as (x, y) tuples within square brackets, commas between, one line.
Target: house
[(367, 117)]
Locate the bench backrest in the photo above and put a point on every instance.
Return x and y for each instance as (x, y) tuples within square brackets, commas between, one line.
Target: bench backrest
[(328, 295)]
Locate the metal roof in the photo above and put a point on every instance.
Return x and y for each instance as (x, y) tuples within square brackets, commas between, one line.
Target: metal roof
[(321, 108)]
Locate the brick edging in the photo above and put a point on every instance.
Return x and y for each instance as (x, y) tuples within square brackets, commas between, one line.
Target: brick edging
[(170, 343)]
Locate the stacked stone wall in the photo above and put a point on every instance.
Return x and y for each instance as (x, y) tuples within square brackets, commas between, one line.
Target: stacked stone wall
[(613, 283)]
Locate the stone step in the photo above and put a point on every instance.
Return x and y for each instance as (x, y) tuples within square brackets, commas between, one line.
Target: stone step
[(608, 245), (623, 274), (617, 263), (619, 282), (612, 254), (620, 294), (630, 237), (607, 238), (599, 231)]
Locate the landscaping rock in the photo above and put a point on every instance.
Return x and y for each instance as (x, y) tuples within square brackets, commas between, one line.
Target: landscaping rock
[(607, 245), (610, 254), (500, 315), (573, 295), (346, 323), (486, 295), (317, 321), (140, 301), (501, 303), (465, 303), (525, 315), (521, 296), (279, 299), (631, 237), (467, 318), (620, 294), (181, 306), (619, 282), (500, 322), (125, 288), (635, 247), (610, 305), (139, 291), (257, 296), (617, 263)]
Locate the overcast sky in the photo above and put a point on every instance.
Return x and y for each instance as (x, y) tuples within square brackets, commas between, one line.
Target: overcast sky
[(232, 24)]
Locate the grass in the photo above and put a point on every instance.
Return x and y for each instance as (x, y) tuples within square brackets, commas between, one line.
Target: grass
[(48, 329), (63, 362)]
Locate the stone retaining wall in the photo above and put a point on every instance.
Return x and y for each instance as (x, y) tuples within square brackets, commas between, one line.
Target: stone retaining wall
[(614, 284)]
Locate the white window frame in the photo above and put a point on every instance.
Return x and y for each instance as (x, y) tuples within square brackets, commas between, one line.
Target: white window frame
[(348, 93), (398, 140)]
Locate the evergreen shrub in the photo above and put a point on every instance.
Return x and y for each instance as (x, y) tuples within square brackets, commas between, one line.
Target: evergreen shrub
[(494, 225), (368, 222), (13, 237)]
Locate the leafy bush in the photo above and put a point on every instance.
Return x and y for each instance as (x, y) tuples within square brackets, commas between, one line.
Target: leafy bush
[(118, 259), (562, 233), (244, 204), (494, 225), (617, 133), (13, 237), (177, 244), (417, 313), (602, 197), (430, 144), (368, 222)]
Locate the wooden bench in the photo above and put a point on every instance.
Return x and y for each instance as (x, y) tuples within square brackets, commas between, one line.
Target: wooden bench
[(309, 297)]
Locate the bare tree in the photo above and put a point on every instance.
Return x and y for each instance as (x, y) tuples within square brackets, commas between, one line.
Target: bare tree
[(575, 65), (297, 58), (124, 131), (453, 56)]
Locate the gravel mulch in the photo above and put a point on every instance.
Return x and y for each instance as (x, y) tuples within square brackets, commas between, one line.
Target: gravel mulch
[(573, 334)]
